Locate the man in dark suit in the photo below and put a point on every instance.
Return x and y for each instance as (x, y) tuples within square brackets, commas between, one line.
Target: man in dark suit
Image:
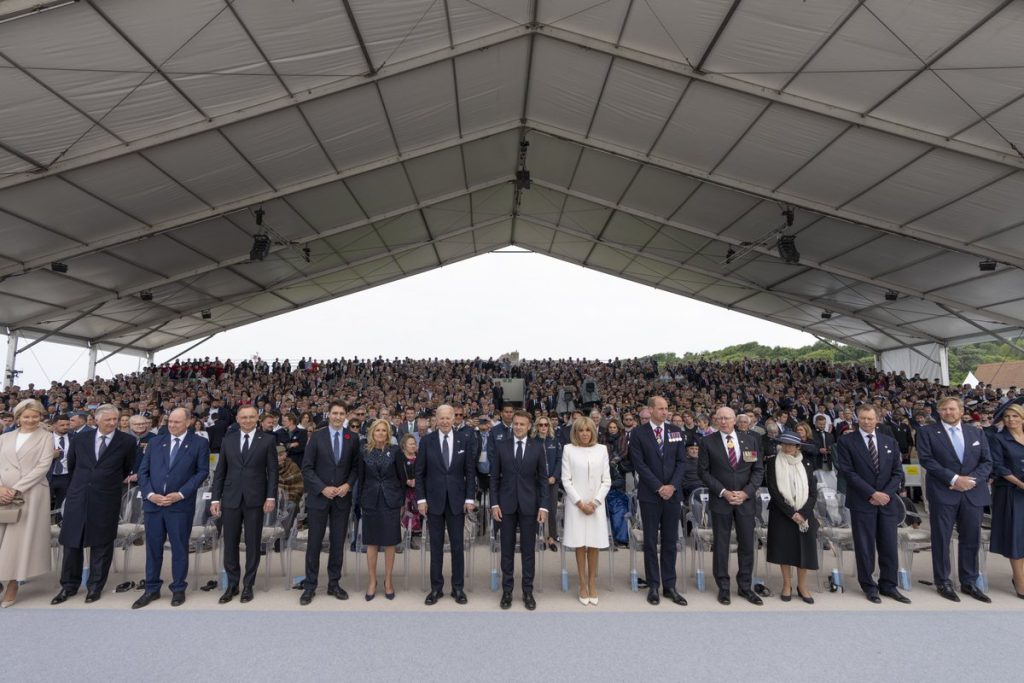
[(518, 490), (731, 465), (870, 464), (244, 489), (957, 459), (173, 468), (59, 476), (293, 439), (99, 460), (657, 451), (408, 425), (824, 443), (329, 473), (445, 487)]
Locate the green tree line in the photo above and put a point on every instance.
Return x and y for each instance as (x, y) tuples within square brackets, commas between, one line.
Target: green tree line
[(962, 359)]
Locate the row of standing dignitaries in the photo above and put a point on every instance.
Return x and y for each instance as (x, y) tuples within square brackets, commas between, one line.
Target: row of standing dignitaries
[(176, 463)]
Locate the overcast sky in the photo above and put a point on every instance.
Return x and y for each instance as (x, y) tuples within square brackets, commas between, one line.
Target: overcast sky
[(485, 306)]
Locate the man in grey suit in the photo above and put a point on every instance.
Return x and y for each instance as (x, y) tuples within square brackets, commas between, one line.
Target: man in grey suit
[(244, 489)]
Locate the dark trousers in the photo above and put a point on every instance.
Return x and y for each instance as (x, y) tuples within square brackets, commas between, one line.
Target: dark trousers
[(58, 490), (617, 505), (660, 520), (162, 526), (436, 525), (334, 516), (527, 525), (233, 519), (100, 557), (875, 530), (967, 519), (722, 525)]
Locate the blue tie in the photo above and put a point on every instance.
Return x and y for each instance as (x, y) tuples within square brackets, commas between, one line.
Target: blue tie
[(958, 442), (337, 447), (174, 452)]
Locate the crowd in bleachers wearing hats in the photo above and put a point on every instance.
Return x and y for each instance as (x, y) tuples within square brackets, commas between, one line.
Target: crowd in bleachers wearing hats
[(412, 446)]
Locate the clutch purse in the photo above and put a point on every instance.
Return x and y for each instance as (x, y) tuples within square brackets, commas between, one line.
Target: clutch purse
[(11, 513)]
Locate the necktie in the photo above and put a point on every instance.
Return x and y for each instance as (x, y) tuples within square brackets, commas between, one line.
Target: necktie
[(58, 465), (657, 435), (245, 445), (958, 442), (445, 452), (174, 452), (873, 452), (733, 460), (519, 452), (103, 447), (337, 447)]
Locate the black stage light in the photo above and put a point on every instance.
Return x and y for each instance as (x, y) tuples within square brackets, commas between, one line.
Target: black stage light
[(789, 213), (207, 315), (146, 295), (59, 267), (523, 180), (260, 248), (259, 215), (986, 265), (826, 315), (787, 249), (892, 295)]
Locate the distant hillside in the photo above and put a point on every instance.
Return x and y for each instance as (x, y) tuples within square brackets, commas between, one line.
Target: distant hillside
[(962, 359)]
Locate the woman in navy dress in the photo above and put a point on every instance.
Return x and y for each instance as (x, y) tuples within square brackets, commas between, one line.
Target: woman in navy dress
[(381, 496), (1007, 449)]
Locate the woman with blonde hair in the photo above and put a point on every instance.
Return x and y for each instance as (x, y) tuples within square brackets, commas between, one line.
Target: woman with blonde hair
[(1007, 449), (586, 480), (382, 481), (26, 455)]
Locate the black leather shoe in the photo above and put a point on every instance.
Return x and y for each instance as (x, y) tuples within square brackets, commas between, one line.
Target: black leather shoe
[(433, 597), (93, 596), (652, 596), (874, 598), (674, 595), (723, 596), (231, 592), (307, 596), (897, 596), (810, 599), (247, 594), (62, 596), (337, 592), (145, 599), (460, 597), (506, 600), (974, 592), (947, 592), (529, 602), (752, 597), (178, 599)]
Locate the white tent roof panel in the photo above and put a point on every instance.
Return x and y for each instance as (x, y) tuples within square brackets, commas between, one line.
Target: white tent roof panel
[(652, 152)]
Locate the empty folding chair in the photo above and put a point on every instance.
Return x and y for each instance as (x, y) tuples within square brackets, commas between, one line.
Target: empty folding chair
[(834, 520), (910, 541)]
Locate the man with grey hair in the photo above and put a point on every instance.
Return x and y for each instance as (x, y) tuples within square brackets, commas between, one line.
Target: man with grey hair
[(99, 460)]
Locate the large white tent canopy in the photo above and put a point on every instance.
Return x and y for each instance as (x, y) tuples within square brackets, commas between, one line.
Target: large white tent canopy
[(666, 139)]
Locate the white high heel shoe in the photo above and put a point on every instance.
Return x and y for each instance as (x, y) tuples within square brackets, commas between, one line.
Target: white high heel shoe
[(593, 601)]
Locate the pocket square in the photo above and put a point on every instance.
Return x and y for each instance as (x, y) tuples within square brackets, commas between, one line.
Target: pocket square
[(463, 450), (976, 443)]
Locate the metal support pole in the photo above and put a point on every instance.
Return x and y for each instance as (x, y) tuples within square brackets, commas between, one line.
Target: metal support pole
[(12, 352), (91, 374)]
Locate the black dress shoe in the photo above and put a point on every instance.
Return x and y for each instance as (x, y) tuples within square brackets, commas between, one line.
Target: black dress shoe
[(810, 600), (460, 597), (674, 595), (974, 592), (723, 596), (338, 592), (897, 596), (145, 599), (231, 592), (62, 596), (752, 597), (93, 596), (506, 600), (785, 598), (946, 591), (307, 596), (247, 594), (529, 602), (178, 599), (873, 597), (433, 597), (652, 596)]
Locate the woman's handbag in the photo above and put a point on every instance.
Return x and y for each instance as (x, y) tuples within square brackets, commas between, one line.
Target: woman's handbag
[(11, 513)]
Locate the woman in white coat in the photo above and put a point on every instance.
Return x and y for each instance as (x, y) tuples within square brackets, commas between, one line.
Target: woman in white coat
[(586, 480)]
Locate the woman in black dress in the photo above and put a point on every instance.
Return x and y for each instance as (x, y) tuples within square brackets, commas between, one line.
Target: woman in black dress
[(382, 494), (1007, 449), (792, 528)]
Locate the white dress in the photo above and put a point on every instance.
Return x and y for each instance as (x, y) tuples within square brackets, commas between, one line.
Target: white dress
[(585, 476)]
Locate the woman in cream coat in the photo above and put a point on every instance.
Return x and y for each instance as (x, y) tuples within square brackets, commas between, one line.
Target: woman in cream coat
[(26, 455), (586, 480)]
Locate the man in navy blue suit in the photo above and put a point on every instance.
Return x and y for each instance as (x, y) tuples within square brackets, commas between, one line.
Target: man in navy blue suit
[(445, 489), (518, 488), (658, 453), (872, 467), (958, 463), (173, 468)]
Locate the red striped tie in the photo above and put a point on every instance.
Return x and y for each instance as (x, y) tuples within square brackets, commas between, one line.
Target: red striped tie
[(733, 461)]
